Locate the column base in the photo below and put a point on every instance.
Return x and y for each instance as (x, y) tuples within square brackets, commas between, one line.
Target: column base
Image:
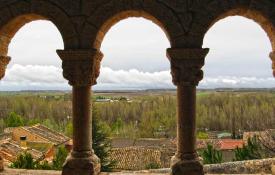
[(81, 163), (186, 167), (1, 164)]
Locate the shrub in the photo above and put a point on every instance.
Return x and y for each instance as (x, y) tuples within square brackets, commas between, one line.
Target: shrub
[(60, 158), (152, 165), (250, 151), (44, 165), (211, 155), (24, 161)]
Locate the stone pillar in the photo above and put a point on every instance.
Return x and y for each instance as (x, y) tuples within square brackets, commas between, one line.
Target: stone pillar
[(186, 71), (4, 61), (81, 68), (272, 56)]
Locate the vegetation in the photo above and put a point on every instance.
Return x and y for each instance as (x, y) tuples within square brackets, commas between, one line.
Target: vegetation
[(101, 142), (14, 120), (147, 115), (202, 135), (59, 158), (26, 161), (153, 165), (250, 151), (211, 155)]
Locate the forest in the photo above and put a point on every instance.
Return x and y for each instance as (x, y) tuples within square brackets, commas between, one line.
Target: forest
[(149, 115)]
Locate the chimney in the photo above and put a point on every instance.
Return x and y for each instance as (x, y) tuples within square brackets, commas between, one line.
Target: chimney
[(23, 142)]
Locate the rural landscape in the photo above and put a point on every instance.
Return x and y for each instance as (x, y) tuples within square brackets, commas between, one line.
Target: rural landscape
[(137, 87), (135, 130)]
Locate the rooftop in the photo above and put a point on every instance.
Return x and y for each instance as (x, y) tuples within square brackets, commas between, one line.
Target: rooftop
[(10, 149), (50, 135), (229, 144)]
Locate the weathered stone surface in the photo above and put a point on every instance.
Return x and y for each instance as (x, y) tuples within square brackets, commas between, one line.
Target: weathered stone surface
[(242, 167), (4, 61), (272, 56), (176, 17), (88, 165), (186, 65), (80, 67)]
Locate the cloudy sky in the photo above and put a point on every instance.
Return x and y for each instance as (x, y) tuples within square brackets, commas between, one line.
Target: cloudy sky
[(135, 57)]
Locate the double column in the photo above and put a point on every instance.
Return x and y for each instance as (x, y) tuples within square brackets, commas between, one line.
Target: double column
[(81, 68), (186, 72)]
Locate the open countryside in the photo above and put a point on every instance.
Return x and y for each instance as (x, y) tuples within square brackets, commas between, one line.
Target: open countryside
[(139, 123)]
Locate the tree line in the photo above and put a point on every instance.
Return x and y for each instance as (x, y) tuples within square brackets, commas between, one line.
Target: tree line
[(149, 115)]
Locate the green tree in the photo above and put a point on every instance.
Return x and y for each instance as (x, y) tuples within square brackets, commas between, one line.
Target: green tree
[(14, 120), (211, 155), (250, 151), (69, 129), (202, 135), (101, 142), (60, 158)]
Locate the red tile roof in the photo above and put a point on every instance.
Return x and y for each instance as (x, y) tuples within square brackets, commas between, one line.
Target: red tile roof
[(229, 144)]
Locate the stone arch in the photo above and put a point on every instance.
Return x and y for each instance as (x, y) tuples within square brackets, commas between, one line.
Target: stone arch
[(111, 13), (121, 16), (17, 14), (211, 12), (254, 15), (260, 12)]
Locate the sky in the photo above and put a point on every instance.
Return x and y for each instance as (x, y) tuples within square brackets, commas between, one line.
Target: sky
[(135, 57)]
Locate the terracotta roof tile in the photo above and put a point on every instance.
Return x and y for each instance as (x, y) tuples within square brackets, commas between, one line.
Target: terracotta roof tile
[(48, 134), (229, 144)]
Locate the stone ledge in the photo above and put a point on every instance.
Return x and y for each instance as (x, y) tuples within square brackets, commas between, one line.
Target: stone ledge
[(8, 171), (42, 172), (242, 167)]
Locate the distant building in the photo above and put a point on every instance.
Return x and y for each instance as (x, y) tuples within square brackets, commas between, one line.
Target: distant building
[(37, 138), (9, 150), (39, 133), (227, 147), (104, 100), (224, 135)]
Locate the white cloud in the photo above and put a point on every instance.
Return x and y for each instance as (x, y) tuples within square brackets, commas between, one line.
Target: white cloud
[(33, 77), (36, 77), (133, 79), (238, 82)]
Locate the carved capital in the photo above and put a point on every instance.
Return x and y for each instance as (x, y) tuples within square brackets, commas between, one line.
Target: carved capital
[(81, 67), (186, 65), (4, 61), (272, 56)]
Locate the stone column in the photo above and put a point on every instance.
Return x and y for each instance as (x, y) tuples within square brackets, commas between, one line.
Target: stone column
[(4, 61), (81, 68), (272, 56), (186, 71)]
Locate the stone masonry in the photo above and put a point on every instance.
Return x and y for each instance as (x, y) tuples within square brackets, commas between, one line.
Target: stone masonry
[(83, 25)]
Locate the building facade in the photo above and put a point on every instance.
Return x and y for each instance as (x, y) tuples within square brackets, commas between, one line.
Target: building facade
[(83, 25)]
